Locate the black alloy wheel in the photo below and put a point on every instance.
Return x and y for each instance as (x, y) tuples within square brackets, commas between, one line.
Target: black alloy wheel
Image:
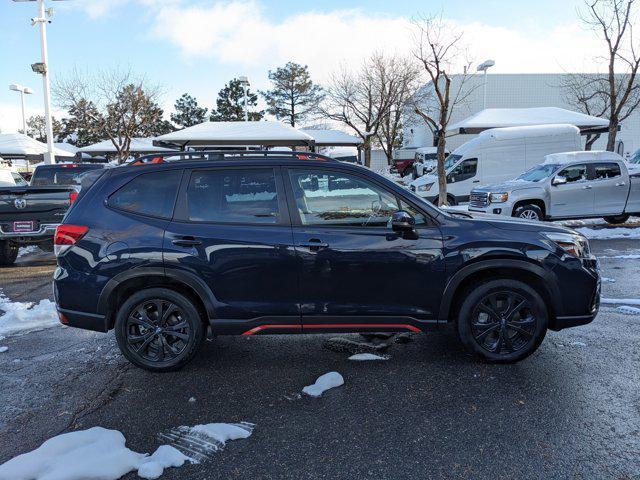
[(502, 320), (159, 329)]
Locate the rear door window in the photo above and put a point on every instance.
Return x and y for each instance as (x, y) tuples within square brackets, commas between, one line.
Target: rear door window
[(233, 196), (152, 194), (603, 171)]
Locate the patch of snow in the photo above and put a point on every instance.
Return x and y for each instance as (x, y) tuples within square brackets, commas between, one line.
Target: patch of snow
[(324, 383), (360, 357), (608, 280), (610, 233), (23, 317), (222, 432), (630, 256), (3, 349), (93, 454), (192, 399), (620, 301), (22, 251), (577, 344), (628, 310), (165, 456)]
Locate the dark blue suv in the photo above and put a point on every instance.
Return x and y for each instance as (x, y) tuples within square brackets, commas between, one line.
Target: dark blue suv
[(249, 243)]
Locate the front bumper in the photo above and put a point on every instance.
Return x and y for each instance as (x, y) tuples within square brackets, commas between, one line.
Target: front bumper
[(578, 308)]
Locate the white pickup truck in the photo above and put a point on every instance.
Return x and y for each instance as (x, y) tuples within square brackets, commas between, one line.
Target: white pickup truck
[(567, 185)]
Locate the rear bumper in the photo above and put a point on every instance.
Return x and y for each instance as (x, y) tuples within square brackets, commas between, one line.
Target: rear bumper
[(45, 230), (87, 321)]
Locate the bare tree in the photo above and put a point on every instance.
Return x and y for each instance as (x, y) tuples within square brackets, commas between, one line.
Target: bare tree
[(124, 106), (617, 91), (361, 99), (439, 51), (390, 133)]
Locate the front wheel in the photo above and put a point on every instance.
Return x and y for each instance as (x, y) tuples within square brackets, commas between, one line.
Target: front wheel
[(8, 253), (529, 212), (159, 329), (502, 321), (617, 219)]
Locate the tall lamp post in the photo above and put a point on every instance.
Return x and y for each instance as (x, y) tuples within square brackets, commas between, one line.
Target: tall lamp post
[(43, 69), (23, 90), (244, 81), (483, 67)]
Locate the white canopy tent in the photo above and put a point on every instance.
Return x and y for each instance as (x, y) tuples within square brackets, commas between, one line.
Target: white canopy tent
[(264, 133), (19, 145), (333, 138), (138, 145), (520, 117), (67, 147)]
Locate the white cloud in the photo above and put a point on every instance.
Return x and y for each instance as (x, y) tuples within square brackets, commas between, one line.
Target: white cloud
[(238, 33), (11, 115)]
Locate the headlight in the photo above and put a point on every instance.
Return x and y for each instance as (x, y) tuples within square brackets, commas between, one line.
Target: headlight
[(498, 197), (576, 245), (425, 188)]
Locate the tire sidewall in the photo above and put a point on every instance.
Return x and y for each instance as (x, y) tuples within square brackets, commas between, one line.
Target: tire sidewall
[(617, 219), (8, 253), (195, 322), (473, 297), (531, 207)]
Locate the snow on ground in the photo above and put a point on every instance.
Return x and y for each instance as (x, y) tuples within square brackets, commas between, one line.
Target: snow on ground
[(360, 357), (628, 310), (23, 317), (610, 233), (223, 432), (93, 454), (3, 349), (620, 301), (607, 280), (324, 383), (27, 250)]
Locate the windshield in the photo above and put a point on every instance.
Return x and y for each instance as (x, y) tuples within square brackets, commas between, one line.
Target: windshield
[(635, 158), (451, 160), (539, 172)]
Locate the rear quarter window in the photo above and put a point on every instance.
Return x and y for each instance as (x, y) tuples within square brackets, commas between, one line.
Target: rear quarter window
[(151, 194)]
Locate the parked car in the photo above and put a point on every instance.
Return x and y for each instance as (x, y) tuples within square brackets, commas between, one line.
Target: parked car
[(497, 155), (567, 185), (426, 161), (9, 178), (269, 242)]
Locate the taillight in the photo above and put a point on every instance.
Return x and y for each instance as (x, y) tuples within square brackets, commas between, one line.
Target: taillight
[(72, 197), (67, 236)]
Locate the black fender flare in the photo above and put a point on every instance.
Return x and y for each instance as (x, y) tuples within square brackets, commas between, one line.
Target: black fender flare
[(549, 281), (188, 279)]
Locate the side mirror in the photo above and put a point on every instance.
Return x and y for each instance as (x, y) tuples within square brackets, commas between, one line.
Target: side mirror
[(559, 180), (402, 222)]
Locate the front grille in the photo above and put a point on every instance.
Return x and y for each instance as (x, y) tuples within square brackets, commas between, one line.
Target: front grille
[(478, 200)]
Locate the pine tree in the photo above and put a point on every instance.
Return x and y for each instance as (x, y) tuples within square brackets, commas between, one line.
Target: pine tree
[(188, 113), (294, 96), (36, 128), (82, 126), (230, 104)]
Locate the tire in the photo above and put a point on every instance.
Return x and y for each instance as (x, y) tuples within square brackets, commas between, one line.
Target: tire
[(617, 219), (529, 212), (451, 200), (509, 340), (8, 253), (158, 346)]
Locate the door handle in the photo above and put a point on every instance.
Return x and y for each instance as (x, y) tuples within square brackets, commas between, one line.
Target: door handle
[(587, 187), (620, 184), (187, 241), (313, 244), (476, 181)]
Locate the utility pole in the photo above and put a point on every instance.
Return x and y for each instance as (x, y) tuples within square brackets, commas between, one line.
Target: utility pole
[(43, 69)]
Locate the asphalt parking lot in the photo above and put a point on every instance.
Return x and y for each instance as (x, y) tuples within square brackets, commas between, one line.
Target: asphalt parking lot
[(572, 410)]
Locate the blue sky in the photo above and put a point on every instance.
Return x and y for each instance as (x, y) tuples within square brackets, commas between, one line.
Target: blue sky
[(196, 46)]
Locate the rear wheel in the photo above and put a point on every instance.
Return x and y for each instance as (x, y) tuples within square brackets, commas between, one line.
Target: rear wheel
[(159, 329), (529, 212), (617, 219), (8, 253), (502, 321)]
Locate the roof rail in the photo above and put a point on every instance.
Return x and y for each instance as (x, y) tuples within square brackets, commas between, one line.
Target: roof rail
[(213, 155)]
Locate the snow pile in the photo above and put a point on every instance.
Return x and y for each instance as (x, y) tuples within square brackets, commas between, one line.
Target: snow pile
[(324, 383), (610, 233), (628, 310), (22, 317), (362, 357), (620, 301), (27, 250), (93, 454), (3, 349), (222, 432)]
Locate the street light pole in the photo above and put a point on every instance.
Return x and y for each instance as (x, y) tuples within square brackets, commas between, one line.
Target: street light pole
[(483, 67), (244, 81), (23, 90), (49, 157)]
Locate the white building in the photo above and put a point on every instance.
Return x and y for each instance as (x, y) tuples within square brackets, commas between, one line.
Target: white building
[(513, 91)]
